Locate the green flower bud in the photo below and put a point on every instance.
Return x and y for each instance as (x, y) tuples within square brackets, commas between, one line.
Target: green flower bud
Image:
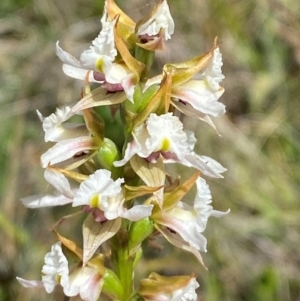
[(138, 232), (130, 111), (112, 285), (108, 153)]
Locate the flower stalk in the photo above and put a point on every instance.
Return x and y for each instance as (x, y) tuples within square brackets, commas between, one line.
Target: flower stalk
[(123, 189), (123, 262)]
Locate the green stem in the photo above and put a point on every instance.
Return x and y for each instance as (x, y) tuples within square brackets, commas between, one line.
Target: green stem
[(147, 57), (123, 262)]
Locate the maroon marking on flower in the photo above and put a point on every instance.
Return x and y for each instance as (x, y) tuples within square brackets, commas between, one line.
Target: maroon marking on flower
[(169, 155), (171, 230), (153, 157), (145, 38), (112, 87), (98, 76), (80, 154), (98, 215)]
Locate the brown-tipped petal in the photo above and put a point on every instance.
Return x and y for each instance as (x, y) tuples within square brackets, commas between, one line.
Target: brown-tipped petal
[(94, 124), (113, 10), (134, 65), (173, 197), (70, 174), (132, 192), (69, 244), (99, 97), (188, 69)]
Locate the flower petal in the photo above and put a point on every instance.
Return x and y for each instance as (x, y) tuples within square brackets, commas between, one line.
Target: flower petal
[(188, 110), (132, 148), (97, 189), (213, 72), (201, 97), (138, 212), (206, 165), (178, 242), (66, 57), (85, 281), (80, 73), (160, 19), (30, 283), (66, 149), (102, 52), (59, 181), (55, 269), (98, 97), (184, 223), (36, 201)]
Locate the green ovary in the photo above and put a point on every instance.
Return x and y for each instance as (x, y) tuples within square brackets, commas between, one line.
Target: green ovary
[(165, 145)]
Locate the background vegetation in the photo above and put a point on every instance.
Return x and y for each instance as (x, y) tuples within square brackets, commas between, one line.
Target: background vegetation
[(253, 253)]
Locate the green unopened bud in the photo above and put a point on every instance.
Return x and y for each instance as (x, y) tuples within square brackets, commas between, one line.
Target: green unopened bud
[(108, 153), (112, 285), (138, 232), (131, 110), (140, 99)]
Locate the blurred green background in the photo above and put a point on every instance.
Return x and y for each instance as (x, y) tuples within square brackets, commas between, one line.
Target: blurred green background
[(253, 253)]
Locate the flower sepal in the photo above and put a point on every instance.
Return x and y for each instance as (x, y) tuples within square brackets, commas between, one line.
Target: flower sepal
[(95, 125), (157, 287), (125, 26), (184, 71), (171, 198)]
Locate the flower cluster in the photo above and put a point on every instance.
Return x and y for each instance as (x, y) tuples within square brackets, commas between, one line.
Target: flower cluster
[(124, 191)]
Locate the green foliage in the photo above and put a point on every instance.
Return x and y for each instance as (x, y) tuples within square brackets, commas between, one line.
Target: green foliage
[(10, 6)]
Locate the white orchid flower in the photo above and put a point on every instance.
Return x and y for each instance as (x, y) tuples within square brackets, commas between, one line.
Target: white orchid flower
[(203, 93), (160, 19), (56, 129), (182, 225), (55, 270), (99, 56), (97, 64), (172, 288), (195, 86), (164, 135), (102, 193), (85, 281), (190, 221)]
